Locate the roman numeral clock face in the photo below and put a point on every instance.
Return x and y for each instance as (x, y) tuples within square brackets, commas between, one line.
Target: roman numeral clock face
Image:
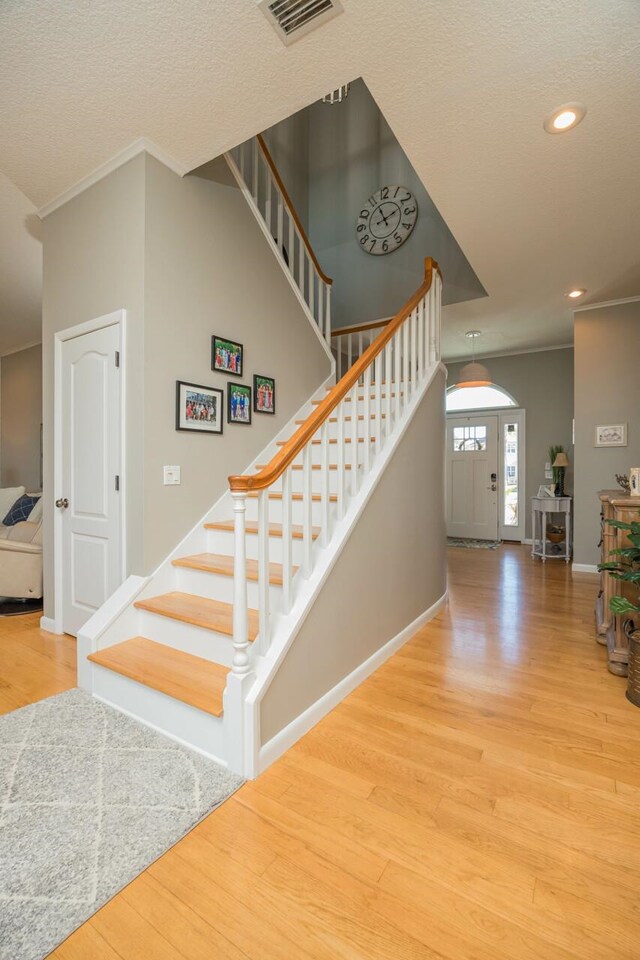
[(386, 220)]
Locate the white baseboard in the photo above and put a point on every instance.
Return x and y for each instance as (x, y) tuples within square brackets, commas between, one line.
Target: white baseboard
[(51, 626), (282, 741), (584, 568), (528, 540)]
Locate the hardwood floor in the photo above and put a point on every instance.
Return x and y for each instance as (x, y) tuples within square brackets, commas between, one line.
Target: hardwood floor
[(476, 799)]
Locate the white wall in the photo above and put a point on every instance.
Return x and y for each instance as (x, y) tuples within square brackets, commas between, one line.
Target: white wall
[(20, 418), (186, 259), (391, 570), (607, 391)]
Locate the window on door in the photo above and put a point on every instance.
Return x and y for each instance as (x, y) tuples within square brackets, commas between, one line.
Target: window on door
[(510, 486)]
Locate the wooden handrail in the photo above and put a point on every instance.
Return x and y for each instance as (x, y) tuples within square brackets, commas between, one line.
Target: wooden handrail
[(285, 457), (292, 210), (360, 328)]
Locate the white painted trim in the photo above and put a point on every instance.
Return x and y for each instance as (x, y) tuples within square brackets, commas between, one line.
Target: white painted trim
[(117, 318), (128, 153), (51, 626), (285, 269), (509, 353), (606, 303), (584, 568), (285, 739), (528, 540), (27, 346)]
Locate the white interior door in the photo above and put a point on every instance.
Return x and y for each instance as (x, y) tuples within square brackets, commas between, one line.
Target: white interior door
[(472, 477), (89, 498)]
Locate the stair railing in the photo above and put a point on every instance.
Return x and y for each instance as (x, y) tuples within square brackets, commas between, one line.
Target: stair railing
[(254, 168), (385, 378)]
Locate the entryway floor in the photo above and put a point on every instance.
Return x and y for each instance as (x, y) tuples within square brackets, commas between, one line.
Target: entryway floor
[(476, 799)]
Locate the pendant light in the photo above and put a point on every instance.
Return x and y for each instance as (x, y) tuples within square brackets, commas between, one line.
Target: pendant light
[(474, 374)]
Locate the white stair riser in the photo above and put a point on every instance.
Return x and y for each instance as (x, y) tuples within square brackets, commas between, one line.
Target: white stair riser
[(222, 541), (186, 637), (217, 587), (172, 717)]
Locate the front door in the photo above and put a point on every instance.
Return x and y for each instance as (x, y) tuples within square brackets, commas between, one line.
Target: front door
[(89, 501), (472, 477)]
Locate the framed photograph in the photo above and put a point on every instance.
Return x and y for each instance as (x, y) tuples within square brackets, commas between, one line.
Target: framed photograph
[(227, 356), (546, 490), (199, 409), (611, 435), (238, 403), (264, 394)]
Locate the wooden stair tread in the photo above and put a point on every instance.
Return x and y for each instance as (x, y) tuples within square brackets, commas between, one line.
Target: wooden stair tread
[(182, 676), (346, 419), (316, 497), (198, 611), (317, 443), (314, 466), (275, 529), (223, 564)]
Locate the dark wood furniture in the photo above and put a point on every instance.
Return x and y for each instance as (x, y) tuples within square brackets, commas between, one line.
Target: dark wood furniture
[(614, 505)]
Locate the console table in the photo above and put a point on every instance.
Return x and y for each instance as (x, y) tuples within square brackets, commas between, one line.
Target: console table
[(542, 512), (614, 505)]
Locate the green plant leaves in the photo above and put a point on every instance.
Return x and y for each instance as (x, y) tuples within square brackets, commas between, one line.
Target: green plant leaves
[(622, 605)]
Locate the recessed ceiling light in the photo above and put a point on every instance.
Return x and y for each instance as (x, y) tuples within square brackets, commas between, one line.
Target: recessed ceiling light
[(574, 294), (565, 118)]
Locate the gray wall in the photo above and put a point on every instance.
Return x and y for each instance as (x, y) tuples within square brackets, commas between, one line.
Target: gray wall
[(607, 391), (93, 249), (186, 259), (542, 384), (21, 416), (209, 269), (395, 558), (345, 152)]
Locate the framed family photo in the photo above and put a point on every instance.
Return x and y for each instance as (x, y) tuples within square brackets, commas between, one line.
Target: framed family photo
[(264, 394), (199, 409), (239, 403), (227, 356), (611, 435)]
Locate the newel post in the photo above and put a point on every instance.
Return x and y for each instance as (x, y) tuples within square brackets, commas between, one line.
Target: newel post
[(238, 722)]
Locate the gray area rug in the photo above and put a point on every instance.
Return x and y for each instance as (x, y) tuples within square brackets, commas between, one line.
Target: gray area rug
[(473, 544), (88, 799)]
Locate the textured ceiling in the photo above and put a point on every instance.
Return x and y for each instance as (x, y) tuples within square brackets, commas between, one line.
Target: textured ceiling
[(465, 87), (20, 270)]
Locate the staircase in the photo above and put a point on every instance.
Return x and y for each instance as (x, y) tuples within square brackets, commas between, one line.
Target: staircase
[(192, 649)]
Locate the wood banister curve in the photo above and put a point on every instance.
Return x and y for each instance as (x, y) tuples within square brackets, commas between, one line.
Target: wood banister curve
[(285, 193), (285, 457)]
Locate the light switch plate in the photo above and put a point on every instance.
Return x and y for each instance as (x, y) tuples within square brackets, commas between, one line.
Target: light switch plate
[(171, 476)]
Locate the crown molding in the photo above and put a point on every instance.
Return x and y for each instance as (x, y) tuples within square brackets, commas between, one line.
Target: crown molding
[(26, 346), (133, 150), (508, 353), (605, 303)]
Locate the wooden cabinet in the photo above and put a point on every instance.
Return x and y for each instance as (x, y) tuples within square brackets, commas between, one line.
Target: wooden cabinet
[(614, 505)]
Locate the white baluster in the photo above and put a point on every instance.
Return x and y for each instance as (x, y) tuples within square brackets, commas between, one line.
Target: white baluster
[(320, 304), (327, 319), (414, 350), (312, 292), (307, 502), (324, 482), (254, 190), (397, 356), (404, 330), (340, 471), (291, 245), (339, 357), (366, 433), (280, 223), (349, 352), (421, 316), (301, 265), (438, 296), (241, 149), (378, 402), (388, 351), (354, 440), (263, 570), (286, 541), (240, 664), (267, 203), (360, 351)]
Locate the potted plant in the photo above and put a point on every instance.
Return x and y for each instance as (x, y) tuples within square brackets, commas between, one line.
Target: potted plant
[(626, 567)]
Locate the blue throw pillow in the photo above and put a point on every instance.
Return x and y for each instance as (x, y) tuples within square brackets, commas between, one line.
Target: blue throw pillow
[(20, 510)]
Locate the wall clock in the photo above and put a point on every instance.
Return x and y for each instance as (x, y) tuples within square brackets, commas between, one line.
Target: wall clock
[(386, 220)]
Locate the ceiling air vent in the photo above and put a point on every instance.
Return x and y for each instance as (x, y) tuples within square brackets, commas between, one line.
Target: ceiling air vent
[(292, 19)]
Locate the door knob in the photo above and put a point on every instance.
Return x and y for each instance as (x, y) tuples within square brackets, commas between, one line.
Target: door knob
[(63, 503), (493, 487)]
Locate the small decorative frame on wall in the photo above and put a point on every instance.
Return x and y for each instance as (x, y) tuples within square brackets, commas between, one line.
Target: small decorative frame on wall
[(264, 394), (227, 356), (611, 435), (239, 403), (199, 409)]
